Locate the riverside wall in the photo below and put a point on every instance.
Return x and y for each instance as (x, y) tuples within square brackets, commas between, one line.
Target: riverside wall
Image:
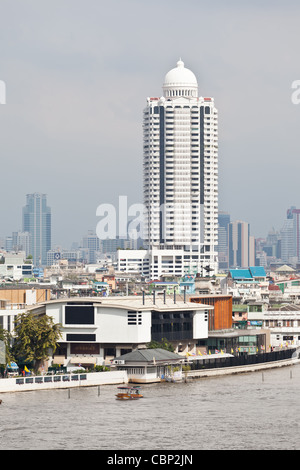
[(241, 369), (26, 384)]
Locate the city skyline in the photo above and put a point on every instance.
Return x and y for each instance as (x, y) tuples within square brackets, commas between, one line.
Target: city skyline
[(61, 120)]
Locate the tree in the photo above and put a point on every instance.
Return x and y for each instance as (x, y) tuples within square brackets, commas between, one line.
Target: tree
[(164, 344), (34, 336), (6, 337)]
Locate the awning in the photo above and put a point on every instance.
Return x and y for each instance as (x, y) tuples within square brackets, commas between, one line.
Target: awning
[(58, 359), (83, 360), (12, 365)]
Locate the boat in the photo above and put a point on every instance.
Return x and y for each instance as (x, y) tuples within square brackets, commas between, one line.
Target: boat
[(136, 392), (129, 393)]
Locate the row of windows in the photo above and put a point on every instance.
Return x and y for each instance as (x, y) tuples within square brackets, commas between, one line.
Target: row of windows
[(181, 93), (134, 318)]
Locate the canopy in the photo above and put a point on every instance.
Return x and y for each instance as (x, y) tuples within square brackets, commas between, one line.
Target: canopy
[(12, 365), (83, 360)]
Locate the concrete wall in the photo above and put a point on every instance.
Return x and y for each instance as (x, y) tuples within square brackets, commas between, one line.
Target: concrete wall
[(92, 379), (241, 369)]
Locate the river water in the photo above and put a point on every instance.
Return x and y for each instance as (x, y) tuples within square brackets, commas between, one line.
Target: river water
[(247, 411)]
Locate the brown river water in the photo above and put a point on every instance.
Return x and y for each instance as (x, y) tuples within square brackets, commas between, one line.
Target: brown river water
[(252, 411)]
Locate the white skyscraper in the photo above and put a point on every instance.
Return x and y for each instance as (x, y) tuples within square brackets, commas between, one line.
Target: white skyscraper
[(180, 178)]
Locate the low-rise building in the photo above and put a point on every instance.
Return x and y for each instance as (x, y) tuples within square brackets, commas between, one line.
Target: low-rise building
[(150, 365), (14, 300), (14, 267), (283, 322), (97, 329)]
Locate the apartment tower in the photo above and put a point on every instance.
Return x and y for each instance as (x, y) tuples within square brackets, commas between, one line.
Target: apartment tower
[(241, 246), (37, 222), (180, 178)]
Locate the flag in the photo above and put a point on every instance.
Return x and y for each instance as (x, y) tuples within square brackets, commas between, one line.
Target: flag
[(222, 352), (231, 351), (209, 352), (199, 353), (217, 351), (26, 370)]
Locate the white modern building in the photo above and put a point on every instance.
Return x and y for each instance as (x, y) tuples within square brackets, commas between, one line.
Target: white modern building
[(284, 324), (133, 261), (14, 268), (95, 330), (180, 176)]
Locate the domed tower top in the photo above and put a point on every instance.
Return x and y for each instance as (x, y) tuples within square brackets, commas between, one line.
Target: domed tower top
[(180, 81)]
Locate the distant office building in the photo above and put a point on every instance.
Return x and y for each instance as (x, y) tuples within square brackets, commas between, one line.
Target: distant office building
[(223, 223), (8, 243), (290, 237), (111, 245), (56, 255), (37, 222), (91, 243), (268, 250), (241, 246), (21, 242)]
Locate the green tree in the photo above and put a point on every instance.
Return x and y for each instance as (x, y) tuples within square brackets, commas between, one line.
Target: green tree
[(6, 337), (34, 336), (164, 344)]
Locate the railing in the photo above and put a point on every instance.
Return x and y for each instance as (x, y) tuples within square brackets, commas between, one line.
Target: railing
[(50, 378), (237, 361)]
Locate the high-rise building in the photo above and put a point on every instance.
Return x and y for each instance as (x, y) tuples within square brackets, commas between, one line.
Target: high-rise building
[(241, 246), (21, 242), (37, 222), (91, 243), (290, 237), (180, 177), (224, 221)]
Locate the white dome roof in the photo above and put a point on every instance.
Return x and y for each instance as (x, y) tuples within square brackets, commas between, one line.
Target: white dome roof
[(180, 78)]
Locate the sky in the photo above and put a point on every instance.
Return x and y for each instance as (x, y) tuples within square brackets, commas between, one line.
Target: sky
[(77, 76)]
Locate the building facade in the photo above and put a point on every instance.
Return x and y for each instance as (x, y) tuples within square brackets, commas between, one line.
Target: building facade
[(37, 222), (290, 237), (95, 330), (223, 221), (180, 175), (241, 246), (91, 243)]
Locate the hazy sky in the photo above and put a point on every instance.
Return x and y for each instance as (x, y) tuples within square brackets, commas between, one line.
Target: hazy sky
[(77, 76)]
